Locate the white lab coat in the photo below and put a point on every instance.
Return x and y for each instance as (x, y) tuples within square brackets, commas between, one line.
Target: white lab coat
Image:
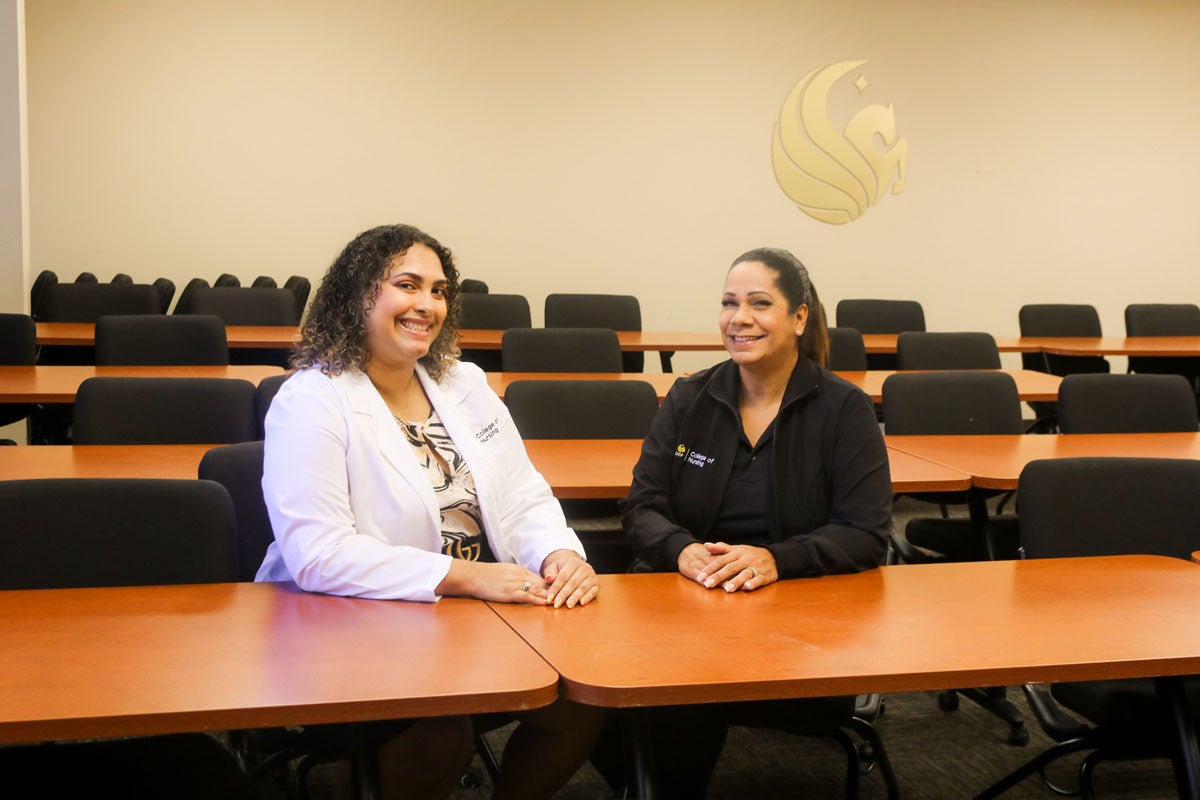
[(354, 513)]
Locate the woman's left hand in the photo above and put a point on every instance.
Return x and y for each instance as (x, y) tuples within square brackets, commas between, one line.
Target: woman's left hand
[(738, 566), (570, 580)]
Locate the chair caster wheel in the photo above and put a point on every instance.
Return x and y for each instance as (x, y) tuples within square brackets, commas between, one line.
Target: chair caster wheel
[(470, 780), (1018, 737), (866, 757), (948, 701)]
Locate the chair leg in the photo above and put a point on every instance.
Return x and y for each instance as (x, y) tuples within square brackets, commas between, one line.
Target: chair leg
[(879, 755), (852, 762), (994, 699), (487, 756), (1033, 766)]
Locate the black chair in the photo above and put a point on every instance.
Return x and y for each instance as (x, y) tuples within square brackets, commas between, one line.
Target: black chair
[(560, 350), (847, 353), (159, 339), (239, 468), (495, 312), (587, 409), (1105, 506), (227, 281), (248, 306), (263, 395), (880, 316), (164, 411), (86, 277), (184, 306), (18, 348), (958, 402), (1165, 319), (68, 533), (1126, 404), (264, 282), (87, 302), (166, 291), (618, 312), (472, 286), (121, 277), (944, 351), (300, 287), (1058, 319), (37, 293)]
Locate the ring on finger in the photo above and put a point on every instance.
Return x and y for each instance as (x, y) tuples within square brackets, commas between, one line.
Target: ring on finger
[(526, 586), (753, 573)]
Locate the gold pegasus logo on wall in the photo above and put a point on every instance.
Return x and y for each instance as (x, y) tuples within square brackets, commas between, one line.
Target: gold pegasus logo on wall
[(835, 177)]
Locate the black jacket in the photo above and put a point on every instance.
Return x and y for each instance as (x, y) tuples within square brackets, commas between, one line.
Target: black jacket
[(833, 490)]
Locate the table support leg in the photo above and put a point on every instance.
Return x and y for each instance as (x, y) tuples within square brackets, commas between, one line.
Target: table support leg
[(1187, 758), (364, 764), (664, 358), (638, 725), (977, 508)]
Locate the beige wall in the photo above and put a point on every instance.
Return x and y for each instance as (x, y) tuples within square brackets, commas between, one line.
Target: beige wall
[(14, 230), (621, 146)]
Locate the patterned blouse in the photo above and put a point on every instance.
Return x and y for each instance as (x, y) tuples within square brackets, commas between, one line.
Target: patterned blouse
[(462, 524)]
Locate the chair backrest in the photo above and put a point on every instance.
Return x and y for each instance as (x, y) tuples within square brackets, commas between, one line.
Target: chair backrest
[(880, 316), (1127, 404), (1109, 506), (495, 311), (184, 306), (620, 312), (300, 287), (87, 302), (263, 395), (121, 277), (239, 468), (86, 277), (1060, 319), (164, 411), (166, 291), (37, 293), (583, 409), (77, 532), (560, 350), (921, 350), (227, 281), (847, 353), (160, 339), (18, 340), (472, 286), (1162, 319), (264, 282), (245, 306), (928, 403)]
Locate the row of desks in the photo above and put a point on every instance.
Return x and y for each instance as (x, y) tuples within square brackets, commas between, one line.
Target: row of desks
[(73, 333), (595, 468), (58, 384), (82, 663)]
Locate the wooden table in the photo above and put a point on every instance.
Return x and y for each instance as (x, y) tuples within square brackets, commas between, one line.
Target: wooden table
[(82, 663), (661, 381), (84, 334), (995, 462), (1116, 345), (886, 343), (895, 629), (58, 384), (574, 468), (1031, 385)]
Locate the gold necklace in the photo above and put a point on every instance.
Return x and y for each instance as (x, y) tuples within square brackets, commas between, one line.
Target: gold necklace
[(407, 400)]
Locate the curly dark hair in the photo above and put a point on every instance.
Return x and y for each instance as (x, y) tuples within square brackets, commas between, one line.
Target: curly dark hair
[(791, 276), (334, 332)]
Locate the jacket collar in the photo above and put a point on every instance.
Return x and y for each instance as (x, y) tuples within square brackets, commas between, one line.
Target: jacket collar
[(725, 382)]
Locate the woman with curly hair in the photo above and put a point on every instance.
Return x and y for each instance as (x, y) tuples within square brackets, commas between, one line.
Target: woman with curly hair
[(392, 471)]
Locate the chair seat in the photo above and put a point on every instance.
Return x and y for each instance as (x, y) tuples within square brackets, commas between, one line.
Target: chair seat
[(1130, 706), (954, 539)]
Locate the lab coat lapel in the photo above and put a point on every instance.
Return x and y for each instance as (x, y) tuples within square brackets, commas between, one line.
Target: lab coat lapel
[(393, 446)]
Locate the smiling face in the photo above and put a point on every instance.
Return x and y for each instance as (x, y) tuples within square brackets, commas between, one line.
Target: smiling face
[(758, 329), (408, 311)]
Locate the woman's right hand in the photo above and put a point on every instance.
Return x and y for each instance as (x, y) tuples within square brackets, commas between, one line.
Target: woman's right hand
[(499, 583), (693, 559)]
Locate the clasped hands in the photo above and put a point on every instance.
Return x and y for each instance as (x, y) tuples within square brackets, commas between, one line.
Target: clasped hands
[(731, 567)]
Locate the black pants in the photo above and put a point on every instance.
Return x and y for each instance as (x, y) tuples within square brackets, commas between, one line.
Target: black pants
[(686, 741)]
